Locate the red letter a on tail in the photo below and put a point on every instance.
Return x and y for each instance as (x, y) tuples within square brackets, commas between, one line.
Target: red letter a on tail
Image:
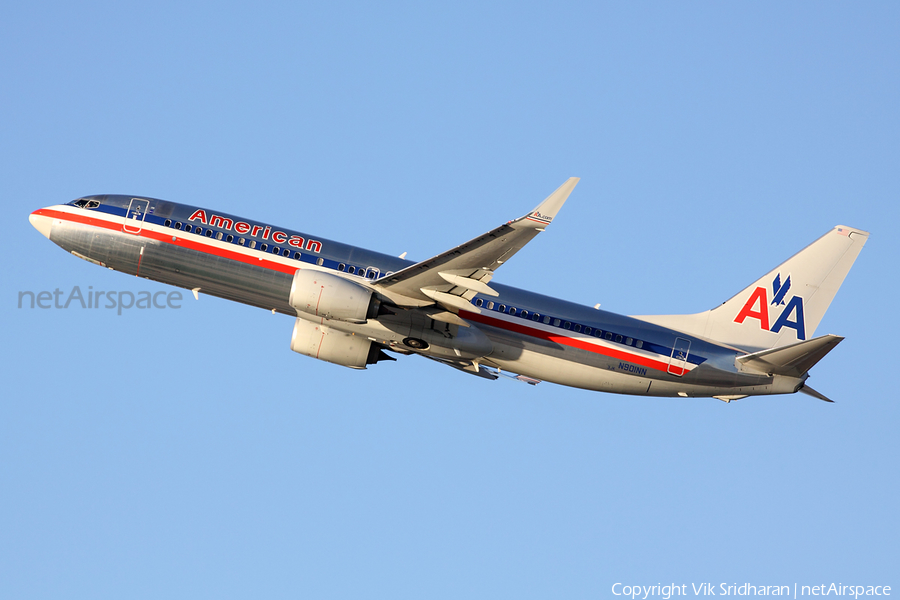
[(750, 310)]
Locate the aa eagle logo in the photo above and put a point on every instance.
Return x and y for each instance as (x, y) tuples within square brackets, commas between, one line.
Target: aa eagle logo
[(757, 307)]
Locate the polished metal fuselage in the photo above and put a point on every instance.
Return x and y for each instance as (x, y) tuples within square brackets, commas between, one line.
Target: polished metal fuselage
[(152, 248)]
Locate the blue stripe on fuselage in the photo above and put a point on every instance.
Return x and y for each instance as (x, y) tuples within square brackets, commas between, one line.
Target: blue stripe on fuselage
[(332, 257)]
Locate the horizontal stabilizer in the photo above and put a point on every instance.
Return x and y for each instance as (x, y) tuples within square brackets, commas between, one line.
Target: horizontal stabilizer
[(793, 360), (811, 392)]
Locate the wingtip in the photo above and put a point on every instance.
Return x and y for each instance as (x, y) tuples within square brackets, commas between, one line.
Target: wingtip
[(544, 213), (845, 230)]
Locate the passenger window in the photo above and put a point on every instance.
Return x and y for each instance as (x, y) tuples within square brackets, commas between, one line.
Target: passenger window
[(286, 252), (639, 344), (598, 333), (512, 310), (567, 325), (351, 269), (168, 222), (370, 274), (252, 244), (628, 341), (577, 329), (230, 238), (276, 250), (188, 228), (178, 225), (618, 339), (490, 305), (588, 331), (263, 247), (297, 255), (524, 314), (320, 261), (209, 233), (502, 308), (341, 267), (546, 319), (241, 241), (536, 317), (479, 302), (556, 322), (609, 336), (219, 236)]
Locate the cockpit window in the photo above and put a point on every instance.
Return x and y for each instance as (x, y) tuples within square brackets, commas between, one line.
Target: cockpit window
[(86, 203)]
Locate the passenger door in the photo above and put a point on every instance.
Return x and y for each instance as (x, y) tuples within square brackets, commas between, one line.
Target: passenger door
[(678, 360), (134, 218)]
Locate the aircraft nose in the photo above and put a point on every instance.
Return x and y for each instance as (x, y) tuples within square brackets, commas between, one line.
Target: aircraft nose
[(41, 223)]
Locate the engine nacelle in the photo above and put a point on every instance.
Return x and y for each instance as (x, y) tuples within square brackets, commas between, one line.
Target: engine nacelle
[(322, 342), (331, 297)]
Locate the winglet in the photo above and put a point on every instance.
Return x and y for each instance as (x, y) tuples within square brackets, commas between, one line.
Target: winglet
[(543, 215)]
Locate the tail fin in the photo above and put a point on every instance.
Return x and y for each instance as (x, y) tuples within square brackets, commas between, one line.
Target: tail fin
[(785, 305)]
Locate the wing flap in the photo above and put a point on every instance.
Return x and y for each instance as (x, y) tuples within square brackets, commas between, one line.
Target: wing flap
[(470, 367)]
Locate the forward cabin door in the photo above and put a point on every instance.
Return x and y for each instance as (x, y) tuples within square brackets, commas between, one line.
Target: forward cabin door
[(678, 360), (134, 218)]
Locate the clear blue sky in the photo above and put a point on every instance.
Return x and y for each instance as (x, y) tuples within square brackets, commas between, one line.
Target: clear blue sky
[(189, 453)]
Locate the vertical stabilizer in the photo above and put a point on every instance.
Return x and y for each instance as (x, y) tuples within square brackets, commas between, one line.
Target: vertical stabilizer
[(785, 305)]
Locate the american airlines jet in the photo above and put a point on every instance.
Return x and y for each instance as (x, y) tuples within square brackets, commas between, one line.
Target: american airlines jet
[(349, 304)]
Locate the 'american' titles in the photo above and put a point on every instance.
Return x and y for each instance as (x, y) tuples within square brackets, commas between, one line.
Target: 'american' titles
[(265, 232)]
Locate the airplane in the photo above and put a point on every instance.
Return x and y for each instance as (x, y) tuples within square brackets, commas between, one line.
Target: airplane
[(350, 304)]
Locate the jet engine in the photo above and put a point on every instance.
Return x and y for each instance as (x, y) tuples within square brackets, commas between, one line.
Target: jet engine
[(332, 297), (322, 342)]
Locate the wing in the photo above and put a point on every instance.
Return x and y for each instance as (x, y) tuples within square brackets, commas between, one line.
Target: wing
[(451, 279)]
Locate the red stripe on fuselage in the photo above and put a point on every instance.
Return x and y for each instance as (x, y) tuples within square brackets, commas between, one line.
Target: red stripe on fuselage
[(290, 269), (573, 342), (167, 238)]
